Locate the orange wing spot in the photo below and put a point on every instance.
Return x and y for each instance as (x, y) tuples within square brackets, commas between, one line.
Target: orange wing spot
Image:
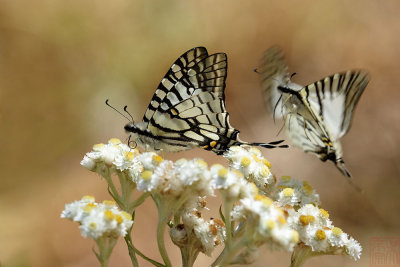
[(330, 144), (213, 144), (174, 111), (204, 147)]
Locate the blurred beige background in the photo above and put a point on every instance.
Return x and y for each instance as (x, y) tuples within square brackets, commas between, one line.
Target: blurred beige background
[(60, 60)]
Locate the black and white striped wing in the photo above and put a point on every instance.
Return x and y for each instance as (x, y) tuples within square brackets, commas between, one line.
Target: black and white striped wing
[(193, 72), (199, 121), (305, 134), (335, 98)]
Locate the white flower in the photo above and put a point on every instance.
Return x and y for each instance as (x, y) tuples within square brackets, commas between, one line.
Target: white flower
[(98, 219), (296, 193), (114, 154), (316, 231), (353, 248), (260, 214), (252, 164)]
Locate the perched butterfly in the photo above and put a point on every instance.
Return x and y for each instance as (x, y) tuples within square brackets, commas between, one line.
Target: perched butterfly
[(188, 108), (317, 115)]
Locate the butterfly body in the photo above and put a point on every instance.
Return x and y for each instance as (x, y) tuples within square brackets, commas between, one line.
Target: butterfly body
[(188, 109), (317, 115)]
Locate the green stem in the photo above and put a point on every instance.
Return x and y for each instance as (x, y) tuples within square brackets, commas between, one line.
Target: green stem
[(131, 250), (162, 222), (107, 175), (106, 246), (189, 256), (300, 254), (227, 212), (155, 263), (126, 190), (138, 201)]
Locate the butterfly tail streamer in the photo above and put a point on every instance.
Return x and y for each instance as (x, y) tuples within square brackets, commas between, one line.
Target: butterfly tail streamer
[(342, 168), (270, 145)]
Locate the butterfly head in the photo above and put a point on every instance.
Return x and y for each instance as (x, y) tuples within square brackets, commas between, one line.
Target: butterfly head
[(130, 127)]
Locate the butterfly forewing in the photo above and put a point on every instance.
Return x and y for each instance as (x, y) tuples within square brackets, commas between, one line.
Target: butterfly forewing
[(335, 98)]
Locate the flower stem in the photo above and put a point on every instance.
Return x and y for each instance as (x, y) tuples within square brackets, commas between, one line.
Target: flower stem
[(105, 245), (131, 250), (138, 201), (162, 222), (300, 254)]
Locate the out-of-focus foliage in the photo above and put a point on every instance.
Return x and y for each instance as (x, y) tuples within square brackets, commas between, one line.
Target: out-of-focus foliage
[(60, 60)]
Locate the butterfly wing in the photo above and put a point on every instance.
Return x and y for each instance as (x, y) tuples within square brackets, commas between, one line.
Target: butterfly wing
[(335, 98), (275, 73), (305, 134), (191, 73), (199, 121)]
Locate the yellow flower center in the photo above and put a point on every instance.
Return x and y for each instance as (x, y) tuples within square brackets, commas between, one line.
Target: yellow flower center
[(270, 224), (265, 200), (146, 175), (222, 173), (98, 146), (267, 163), (245, 162), (109, 215), (88, 207), (288, 192), (307, 187), (337, 231), (126, 215), (109, 202), (93, 225), (129, 155), (114, 141), (281, 220), (324, 213), (157, 159), (295, 236), (255, 150), (202, 163), (265, 171), (119, 219), (320, 234), (306, 219), (88, 198)]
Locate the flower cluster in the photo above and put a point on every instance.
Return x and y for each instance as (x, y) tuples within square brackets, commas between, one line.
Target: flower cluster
[(267, 224), (256, 210), (255, 168), (317, 231), (98, 219), (196, 233)]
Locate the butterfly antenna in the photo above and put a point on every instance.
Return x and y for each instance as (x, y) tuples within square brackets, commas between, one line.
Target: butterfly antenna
[(117, 110), (293, 74), (126, 110)]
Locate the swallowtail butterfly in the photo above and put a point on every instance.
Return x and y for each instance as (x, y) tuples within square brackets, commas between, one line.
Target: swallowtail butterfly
[(188, 108), (317, 115)]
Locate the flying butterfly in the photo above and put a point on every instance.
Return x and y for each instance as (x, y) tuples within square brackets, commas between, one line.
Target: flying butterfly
[(317, 115), (188, 108)]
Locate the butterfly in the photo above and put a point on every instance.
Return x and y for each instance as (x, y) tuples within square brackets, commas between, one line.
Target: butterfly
[(317, 115), (188, 110)]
